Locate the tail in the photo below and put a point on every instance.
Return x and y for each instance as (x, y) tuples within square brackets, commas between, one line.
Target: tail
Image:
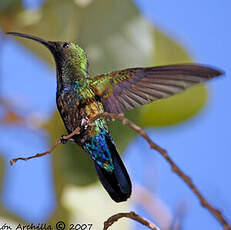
[(117, 183)]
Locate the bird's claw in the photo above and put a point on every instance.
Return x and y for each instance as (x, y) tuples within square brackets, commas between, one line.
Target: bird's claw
[(63, 140)]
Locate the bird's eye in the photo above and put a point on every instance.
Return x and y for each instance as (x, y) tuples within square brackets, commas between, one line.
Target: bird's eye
[(65, 45)]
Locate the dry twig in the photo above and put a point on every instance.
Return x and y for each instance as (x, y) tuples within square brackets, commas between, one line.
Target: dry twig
[(132, 215), (215, 212), (60, 141)]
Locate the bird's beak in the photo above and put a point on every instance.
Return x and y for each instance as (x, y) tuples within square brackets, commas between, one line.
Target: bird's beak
[(50, 45)]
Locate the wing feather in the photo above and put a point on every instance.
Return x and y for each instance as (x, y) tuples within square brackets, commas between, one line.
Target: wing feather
[(129, 88)]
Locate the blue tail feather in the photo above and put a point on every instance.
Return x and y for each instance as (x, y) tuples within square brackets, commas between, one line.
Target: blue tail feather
[(117, 183), (109, 167)]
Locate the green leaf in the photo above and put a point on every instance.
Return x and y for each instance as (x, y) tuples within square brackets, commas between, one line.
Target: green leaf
[(174, 109), (76, 166), (122, 134), (6, 5), (168, 51)]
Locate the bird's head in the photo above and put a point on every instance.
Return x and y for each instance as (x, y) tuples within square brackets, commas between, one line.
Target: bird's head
[(66, 54)]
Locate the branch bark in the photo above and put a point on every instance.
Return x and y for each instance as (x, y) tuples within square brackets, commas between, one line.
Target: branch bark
[(132, 215), (215, 212)]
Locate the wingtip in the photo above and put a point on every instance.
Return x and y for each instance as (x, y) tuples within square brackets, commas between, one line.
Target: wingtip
[(11, 33), (220, 72), (215, 72)]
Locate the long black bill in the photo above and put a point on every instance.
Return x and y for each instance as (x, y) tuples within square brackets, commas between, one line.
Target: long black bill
[(48, 44)]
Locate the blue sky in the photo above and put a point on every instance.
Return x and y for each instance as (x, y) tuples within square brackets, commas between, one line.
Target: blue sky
[(199, 146)]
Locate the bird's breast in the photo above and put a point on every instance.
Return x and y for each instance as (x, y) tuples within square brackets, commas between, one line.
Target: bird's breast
[(76, 111), (69, 108)]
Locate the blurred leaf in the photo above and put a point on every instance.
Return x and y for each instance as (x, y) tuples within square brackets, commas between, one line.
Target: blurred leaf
[(122, 134), (9, 10), (11, 118), (76, 165), (115, 36), (2, 167), (6, 5), (174, 109), (57, 20), (168, 51), (61, 213), (79, 199)]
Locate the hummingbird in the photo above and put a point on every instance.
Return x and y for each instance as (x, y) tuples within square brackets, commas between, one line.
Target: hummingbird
[(80, 97)]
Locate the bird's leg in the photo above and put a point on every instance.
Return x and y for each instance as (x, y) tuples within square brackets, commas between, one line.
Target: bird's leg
[(63, 140)]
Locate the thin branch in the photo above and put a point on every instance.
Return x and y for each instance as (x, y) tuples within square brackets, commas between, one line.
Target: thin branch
[(62, 140), (36, 155), (132, 215), (215, 212)]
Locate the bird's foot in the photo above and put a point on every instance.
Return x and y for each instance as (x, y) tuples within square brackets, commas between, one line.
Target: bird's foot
[(63, 140)]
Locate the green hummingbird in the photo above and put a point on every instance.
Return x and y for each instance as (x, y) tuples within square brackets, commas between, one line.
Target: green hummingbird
[(81, 97)]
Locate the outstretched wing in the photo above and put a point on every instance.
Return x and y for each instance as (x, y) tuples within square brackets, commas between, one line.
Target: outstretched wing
[(129, 88)]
